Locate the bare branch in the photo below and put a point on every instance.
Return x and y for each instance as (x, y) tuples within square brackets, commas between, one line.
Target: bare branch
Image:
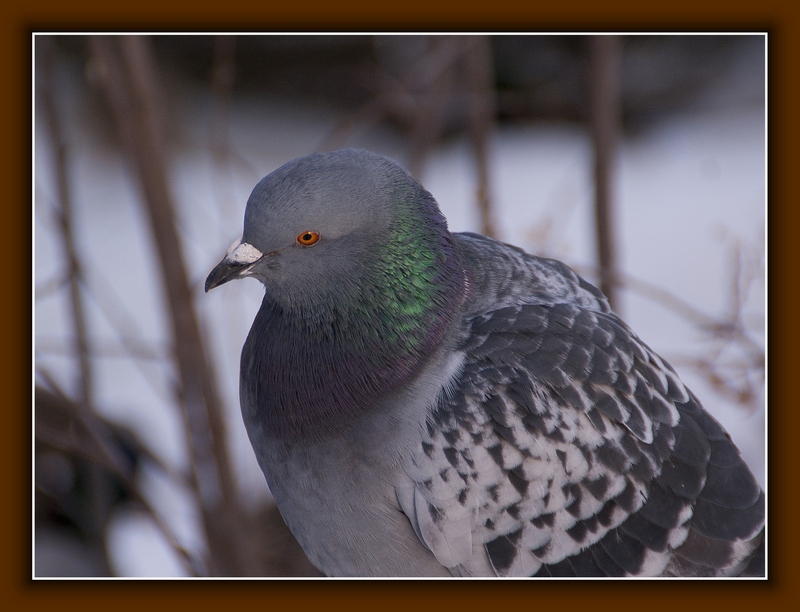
[(124, 348), (64, 426), (51, 286), (436, 88), (708, 324), (409, 97), (128, 72), (65, 217), (223, 72), (739, 380), (222, 78), (117, 314), (605, 116), (480, 83)]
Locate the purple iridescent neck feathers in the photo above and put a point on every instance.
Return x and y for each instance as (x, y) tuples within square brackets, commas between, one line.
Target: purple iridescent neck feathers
[(346, 323)]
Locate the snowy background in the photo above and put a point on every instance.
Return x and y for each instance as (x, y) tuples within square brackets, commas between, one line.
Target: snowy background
[(691, 213)]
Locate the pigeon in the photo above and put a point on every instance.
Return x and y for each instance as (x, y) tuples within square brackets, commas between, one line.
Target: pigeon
[(426, 403)]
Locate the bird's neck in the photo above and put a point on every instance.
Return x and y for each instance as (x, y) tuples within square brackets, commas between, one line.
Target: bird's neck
[(311, 371)]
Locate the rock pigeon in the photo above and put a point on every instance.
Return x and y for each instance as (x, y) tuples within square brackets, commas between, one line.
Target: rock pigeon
[(428, 403)]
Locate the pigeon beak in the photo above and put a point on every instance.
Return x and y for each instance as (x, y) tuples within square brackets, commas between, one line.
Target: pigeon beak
[(238, 262)]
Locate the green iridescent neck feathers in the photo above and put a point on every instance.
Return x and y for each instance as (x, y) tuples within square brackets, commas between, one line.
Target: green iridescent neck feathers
[(349, 319)]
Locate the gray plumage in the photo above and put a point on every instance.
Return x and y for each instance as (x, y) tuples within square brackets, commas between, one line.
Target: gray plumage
[(432, 404)]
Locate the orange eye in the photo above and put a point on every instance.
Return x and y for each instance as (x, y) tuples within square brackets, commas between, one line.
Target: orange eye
[(308, 238)]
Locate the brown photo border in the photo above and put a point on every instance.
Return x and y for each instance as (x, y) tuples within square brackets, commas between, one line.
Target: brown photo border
[(19, 22)]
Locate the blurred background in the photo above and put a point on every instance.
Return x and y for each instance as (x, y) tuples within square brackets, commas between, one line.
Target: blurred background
[(639, 160)]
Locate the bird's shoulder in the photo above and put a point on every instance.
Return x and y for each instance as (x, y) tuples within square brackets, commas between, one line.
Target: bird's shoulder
[(501, 274), (565, 445)]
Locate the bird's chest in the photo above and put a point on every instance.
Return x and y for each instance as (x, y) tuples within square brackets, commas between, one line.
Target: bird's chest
[(338, 498)]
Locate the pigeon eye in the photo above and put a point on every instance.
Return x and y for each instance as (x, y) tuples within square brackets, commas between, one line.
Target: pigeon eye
[(308, 238)]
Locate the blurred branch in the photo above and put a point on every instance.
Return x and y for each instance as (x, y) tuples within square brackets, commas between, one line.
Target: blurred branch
[(480, 87), (739, 380), (223, 72), (745, 269), (65, 217), (65, 232), (63, 426), (369, 113), (713, 326), (605, 116), (127, 331), (51, 286), (125, 348), (435, 89), (117, 314), (127, 69), (413, 97), (420, 98)]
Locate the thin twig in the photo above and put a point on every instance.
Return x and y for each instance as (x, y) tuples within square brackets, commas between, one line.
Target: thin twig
[(605, 116), (737, 384), (128, 332), (731, 380), (480, 83), (128, 71), (398, 95), (65, 218), (436, 89), (223, 72), (102, 452), (118, 315), (709, 324), (119, 348), (51, 286)]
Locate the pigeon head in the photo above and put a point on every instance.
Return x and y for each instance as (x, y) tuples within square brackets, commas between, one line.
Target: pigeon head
[(362, 280), (313, 222)]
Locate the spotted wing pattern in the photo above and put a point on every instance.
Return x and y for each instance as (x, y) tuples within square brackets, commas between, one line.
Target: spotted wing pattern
[(566, 447)]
